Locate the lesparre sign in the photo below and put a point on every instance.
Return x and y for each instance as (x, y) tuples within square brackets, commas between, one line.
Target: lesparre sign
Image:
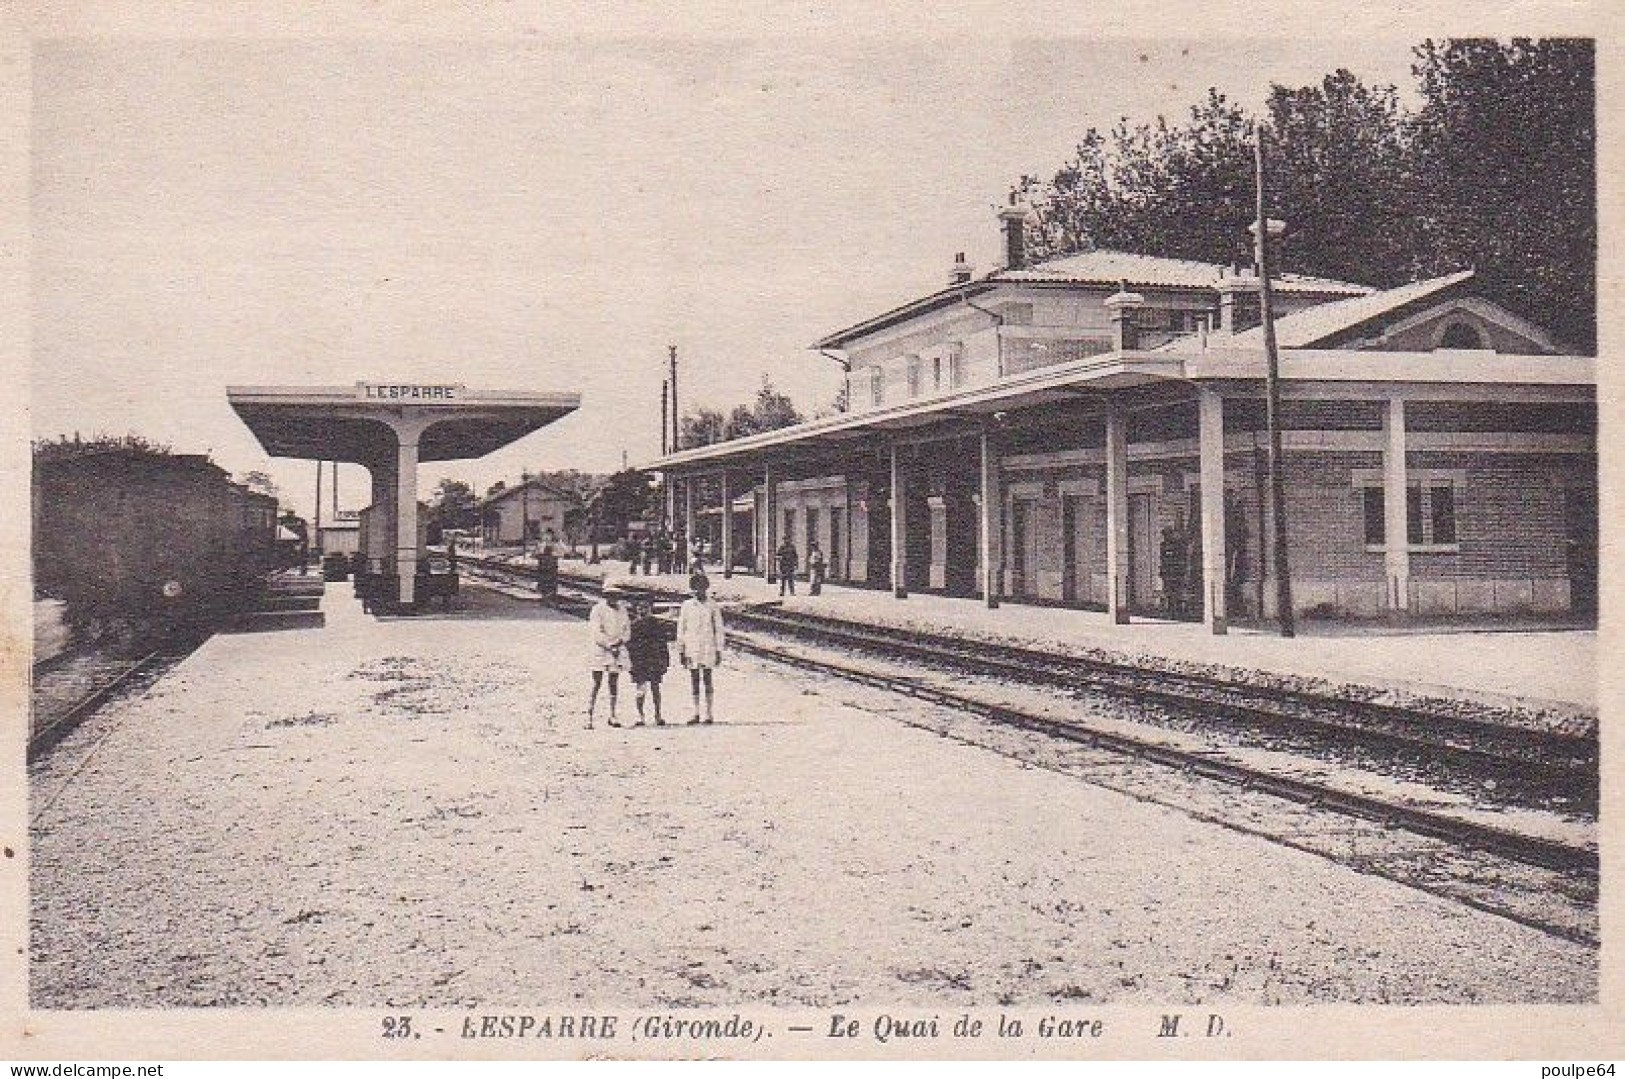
[(415, 393)]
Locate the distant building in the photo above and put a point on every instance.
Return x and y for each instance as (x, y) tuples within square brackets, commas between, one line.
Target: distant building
[(343, 534), (524, 513)]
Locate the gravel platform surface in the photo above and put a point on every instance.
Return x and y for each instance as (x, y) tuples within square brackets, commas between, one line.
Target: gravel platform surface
[(409, 812)]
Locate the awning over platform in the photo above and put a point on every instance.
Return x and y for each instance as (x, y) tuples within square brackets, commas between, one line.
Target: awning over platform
[(1122, 376), (356, 423)]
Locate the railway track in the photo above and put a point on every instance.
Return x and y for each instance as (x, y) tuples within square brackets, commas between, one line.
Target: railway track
[(70, 686), (1533, 769), (1382, 722), (1473, 740)]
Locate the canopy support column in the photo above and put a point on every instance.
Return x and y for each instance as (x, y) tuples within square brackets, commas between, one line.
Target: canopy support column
[(727, 529), (406, 516), (1395, 508), (899, 527), (770, 526), (1117, 515), (992, 522)]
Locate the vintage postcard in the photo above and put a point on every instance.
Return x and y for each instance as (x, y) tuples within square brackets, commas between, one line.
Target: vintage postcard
[(1017, 532)]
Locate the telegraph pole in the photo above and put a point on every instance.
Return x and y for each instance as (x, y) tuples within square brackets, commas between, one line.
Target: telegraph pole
[(665, 417), (1262, 229), (676, 428)]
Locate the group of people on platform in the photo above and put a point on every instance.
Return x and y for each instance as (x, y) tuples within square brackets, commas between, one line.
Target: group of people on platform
[(660, 552), (788, 561), (627, 638), (1179, 565)]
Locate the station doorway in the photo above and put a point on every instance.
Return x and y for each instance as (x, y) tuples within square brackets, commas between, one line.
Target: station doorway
[(1077, 563), (1142, 553), (1580, 541), (1024, 548)]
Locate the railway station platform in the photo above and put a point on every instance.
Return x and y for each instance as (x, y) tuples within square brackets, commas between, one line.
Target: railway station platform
[(409, 811), (1544, 671)]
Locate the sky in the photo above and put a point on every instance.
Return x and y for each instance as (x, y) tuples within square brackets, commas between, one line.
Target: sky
[(539, 214)]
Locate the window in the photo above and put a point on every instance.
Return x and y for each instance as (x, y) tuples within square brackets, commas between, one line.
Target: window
[(1186, 320), (1430, 515), (914, 376), (1461, 335), (877, 386), (1444, 514), (956, 364), (1376, 522), (936, 374)]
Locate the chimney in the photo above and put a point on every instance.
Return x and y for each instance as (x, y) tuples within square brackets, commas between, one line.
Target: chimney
[(1122, 304), (1231, 284), (1013, 219), (961, 272)]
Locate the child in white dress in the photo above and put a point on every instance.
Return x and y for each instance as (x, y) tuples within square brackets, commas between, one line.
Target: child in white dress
[(608, 628), (700, 640)]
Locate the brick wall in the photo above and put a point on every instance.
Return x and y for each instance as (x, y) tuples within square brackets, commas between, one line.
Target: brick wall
[(1509, 519), (1540, 418), (1325, 524)]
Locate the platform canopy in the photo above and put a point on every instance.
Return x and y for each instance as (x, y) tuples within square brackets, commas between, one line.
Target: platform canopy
[(359, 423)]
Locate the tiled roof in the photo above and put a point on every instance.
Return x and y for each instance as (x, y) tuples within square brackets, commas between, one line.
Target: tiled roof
[(1303, 329), (533, 484), (1101, 267), (1106, 267)]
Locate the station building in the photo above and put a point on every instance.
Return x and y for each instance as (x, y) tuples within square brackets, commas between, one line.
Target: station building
[(1085, 430)]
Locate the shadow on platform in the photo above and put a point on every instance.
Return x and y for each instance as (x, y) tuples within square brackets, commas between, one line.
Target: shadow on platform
[(275, 621), (1414, 627), (476, 604)]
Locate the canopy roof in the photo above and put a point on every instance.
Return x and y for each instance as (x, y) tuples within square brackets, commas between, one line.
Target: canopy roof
[(356, 423)]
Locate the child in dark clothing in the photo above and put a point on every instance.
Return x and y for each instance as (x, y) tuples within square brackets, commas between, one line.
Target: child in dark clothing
[(649, 657)]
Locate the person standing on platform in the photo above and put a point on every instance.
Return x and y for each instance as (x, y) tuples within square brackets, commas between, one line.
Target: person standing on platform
[(649, 553), (700, 639), (663, 547), (648, 656), (815, 568), (608, 630), (547, 571), (788, 561)]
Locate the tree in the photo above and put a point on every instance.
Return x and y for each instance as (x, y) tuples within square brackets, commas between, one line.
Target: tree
[(1340, 174), (64, 446), (260, 482), (1505, 160), (773, 409), (453, 505), (770, 411), (1496, 171), (627, 496), (702, 428), (1179, 191)]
